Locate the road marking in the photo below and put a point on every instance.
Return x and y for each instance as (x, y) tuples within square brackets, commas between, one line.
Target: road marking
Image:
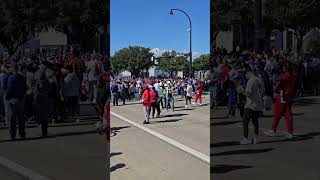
[(25, 172), (172, 142)]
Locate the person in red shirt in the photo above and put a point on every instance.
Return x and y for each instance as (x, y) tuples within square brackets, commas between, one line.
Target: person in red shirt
[(286, 84), (199, 93), (154, 99), (146, 102)]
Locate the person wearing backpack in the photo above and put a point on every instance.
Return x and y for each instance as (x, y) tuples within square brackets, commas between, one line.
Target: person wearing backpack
[(146, 102)]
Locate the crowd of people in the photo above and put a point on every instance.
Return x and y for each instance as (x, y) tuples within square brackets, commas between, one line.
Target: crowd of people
[(158, 93), (48, 88), (253, 82)]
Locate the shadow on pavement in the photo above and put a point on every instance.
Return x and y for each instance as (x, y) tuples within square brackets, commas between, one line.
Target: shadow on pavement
[(222, 169), (224, 123), (306, 102), (220, 117), (117, 166), (223, 144), (174, 115), (115, 154), (187, 109), (54, 136), (243, 151), (302, 137), (165, 121), (116, 130)]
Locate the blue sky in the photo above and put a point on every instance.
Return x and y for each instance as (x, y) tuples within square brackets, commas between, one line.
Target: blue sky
[(148, 23)]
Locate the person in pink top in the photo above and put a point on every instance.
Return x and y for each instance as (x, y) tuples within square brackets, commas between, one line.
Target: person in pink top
[(146, 102)]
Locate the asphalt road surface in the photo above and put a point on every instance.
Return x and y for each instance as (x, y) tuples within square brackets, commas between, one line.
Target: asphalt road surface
[(136, 155), (73, 151), (273, 157)]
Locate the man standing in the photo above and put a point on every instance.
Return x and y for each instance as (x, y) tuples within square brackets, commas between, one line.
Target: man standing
[(254, 105), (15, 94)]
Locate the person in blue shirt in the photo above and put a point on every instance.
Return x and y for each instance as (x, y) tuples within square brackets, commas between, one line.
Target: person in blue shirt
[(16, 89)]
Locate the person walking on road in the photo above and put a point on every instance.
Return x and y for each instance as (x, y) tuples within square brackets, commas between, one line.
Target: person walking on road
[(254, 93), (154, 100), (146, 102), (115, 93), (286, 84), (169, 96), (188, 95)]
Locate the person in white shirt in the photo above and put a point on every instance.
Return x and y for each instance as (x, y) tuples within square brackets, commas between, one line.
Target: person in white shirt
[(94, 71)]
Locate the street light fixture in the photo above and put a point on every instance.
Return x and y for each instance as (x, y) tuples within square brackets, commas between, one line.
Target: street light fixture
[(190, 32)]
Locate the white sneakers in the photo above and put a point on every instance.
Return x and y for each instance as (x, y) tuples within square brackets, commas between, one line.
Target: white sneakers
[(270, 133), (245, 141)]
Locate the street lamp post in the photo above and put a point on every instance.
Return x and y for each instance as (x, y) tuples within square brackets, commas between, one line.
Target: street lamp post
[(190, 31)]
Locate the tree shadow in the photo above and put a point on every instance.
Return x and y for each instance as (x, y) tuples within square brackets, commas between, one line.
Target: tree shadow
[(116, 167), (222, 169), (243, 151), (165, 121), (224, 123)]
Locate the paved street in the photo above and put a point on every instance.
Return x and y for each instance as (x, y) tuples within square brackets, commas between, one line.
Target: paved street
[(73, 151), (136, 154), (272, 158)]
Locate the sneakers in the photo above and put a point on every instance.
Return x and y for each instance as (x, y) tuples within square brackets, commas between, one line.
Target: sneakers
[(289, 136), (255, 140), (245, 141), (270, 133), (145, 122), (186, 106)]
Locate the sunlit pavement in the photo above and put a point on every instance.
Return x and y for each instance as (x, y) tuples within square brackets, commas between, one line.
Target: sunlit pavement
[(136, 154), (273, 157), (73, 151)]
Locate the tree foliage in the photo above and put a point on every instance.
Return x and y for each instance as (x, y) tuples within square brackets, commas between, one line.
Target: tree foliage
[(172, 63), (299, 15), (227, 13), (19, 21), (135, 59), (202, 63), (78, 19)]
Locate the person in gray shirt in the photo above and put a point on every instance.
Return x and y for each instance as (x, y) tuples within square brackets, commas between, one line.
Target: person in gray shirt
[(254, 93)]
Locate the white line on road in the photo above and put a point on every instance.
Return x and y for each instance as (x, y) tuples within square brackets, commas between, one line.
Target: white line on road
[(25, 172), (172, 142)]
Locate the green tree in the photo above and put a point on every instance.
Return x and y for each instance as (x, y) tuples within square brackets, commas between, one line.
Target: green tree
[(299, 15), (314, 44), (19, 21), (78, 19), (171, 63), (135, 59), (202, 63), (226, 14)]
